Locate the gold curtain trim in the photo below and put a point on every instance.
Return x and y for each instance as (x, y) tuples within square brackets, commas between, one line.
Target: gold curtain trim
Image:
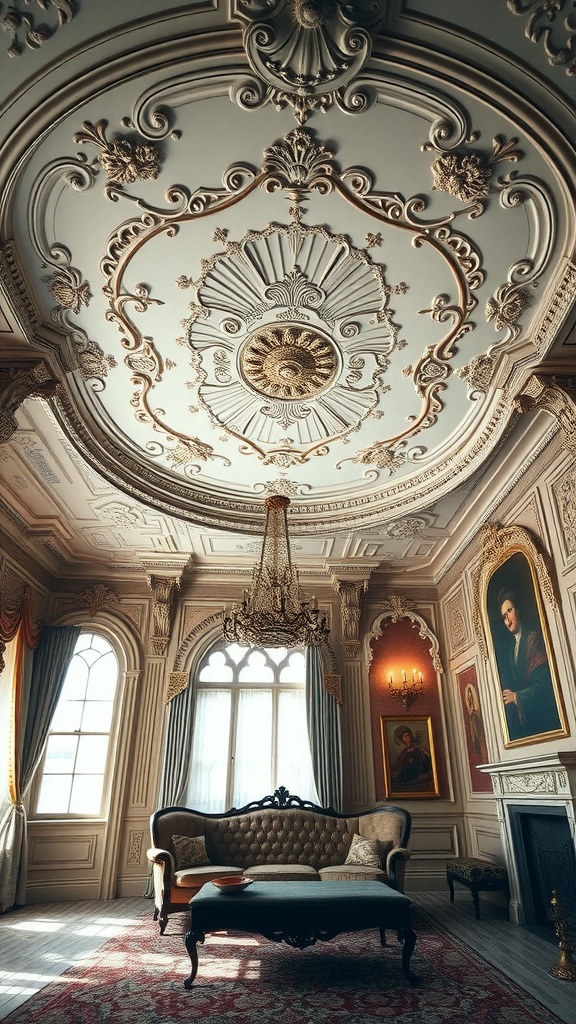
[(332, 683), (177, 682)]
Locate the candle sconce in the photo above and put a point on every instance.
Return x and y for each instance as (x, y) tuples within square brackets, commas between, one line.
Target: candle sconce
[(406, 691)]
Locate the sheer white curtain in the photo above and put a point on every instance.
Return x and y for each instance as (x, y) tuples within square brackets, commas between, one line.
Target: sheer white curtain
[(250, 729), (207, 786)]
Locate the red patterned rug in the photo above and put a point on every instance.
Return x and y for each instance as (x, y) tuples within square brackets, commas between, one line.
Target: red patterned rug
[(137, 978)]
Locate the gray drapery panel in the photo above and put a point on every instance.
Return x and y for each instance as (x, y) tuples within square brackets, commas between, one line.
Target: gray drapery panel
[(178, 748), (42, 686), (323, 714), (177, 754)]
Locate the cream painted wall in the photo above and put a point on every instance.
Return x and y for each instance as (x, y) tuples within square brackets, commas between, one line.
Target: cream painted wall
[(104, 859)]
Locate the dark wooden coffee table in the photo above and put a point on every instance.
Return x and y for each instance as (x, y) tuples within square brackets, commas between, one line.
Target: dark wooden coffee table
[(301, 913)]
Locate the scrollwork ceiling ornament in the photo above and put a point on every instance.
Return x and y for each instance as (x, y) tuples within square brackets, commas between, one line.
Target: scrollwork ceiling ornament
[(467, 175), (497, 543), (396, 607), (306, 54), (544, 19), (304, 322), (123, 160), (23, 30), (511, 299)]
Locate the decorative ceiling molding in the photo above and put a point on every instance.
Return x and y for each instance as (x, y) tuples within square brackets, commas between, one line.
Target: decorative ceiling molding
[(550, 24), (306, 53), (24, 29)]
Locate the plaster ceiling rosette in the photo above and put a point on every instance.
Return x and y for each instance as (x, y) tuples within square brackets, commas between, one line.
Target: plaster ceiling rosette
[(333, 313)]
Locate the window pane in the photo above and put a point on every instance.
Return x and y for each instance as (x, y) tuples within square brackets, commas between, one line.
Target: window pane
[(210, 751), (257, 670), (103, 678), (92, 752), (86, 795), (295, 670), (293, 757), (60, 754), (54, 794), (253, 746), (216, 671), (68, 716), (97, 716), (76, 680)]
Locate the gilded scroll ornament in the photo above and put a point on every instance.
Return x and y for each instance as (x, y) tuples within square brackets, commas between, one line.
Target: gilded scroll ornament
[(123, 160)]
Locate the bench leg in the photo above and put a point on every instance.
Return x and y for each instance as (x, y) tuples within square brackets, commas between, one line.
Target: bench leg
[(450, 881), (476, 902)]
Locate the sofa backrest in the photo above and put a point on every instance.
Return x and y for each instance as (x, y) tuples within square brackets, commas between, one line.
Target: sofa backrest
[(280, 829)]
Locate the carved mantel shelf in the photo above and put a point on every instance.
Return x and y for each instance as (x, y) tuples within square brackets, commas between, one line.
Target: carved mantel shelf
[(540, 778)]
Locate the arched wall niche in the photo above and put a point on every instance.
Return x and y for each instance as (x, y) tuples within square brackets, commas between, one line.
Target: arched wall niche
[(400, 639)]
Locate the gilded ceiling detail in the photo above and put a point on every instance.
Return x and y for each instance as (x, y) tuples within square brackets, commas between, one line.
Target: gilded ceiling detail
[(334, 315)]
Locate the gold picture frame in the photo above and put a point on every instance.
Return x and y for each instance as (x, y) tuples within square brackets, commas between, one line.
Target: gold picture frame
[(409, 757), (510, 595)]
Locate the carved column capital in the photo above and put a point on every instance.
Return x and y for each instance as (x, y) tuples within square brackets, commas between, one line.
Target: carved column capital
[(17, 383), (163, 590), (556, 395), (350, 581)]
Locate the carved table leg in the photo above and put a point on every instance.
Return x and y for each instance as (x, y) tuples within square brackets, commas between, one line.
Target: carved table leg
[(408, 935), (190, 940)]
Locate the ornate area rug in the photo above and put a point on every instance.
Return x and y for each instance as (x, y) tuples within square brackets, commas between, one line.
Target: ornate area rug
[(137, 978)]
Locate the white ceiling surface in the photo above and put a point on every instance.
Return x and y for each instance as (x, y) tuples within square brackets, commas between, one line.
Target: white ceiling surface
[(167, 438)]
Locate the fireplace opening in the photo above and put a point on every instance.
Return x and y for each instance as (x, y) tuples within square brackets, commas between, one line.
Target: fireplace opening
[(546, 862)]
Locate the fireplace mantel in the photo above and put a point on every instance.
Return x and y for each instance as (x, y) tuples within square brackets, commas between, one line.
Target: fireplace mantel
[(537, 780)]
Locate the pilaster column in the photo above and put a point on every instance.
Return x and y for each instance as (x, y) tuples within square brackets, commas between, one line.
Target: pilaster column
[(350, 581)]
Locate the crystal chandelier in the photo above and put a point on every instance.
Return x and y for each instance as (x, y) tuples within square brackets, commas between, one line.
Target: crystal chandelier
[(273, 612)]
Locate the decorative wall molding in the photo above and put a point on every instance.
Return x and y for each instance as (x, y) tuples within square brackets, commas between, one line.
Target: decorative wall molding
[(564, 491), (97, 598), (397, 607)]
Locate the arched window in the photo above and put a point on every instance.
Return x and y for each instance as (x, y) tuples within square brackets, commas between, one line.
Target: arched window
[(250, 733), (72, 777)]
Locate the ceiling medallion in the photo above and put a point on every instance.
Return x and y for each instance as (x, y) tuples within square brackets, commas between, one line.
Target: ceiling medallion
[(289, 362)]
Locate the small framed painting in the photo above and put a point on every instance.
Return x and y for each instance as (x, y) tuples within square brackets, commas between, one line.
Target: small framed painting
[(409, 758)]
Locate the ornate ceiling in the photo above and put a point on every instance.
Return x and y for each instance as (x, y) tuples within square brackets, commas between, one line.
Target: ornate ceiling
[(304, 249)]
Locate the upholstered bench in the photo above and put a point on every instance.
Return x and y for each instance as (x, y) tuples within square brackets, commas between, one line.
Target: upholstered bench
[(477, 875)]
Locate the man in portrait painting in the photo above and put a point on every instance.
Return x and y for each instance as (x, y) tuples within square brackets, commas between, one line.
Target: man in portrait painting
[(413, 764), (527, 690)]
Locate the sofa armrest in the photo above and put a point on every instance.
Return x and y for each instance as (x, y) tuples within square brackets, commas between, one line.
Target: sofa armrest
[(157, 856), (396, 866)]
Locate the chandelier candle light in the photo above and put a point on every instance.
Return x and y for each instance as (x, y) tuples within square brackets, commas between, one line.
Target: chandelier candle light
[(273, 612), (407, 692)]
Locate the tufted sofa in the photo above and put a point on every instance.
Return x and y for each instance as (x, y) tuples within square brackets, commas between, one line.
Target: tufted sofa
[(278, 838)]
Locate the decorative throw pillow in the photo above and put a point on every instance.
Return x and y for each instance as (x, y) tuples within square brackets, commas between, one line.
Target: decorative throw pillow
[(190, 851), (364, 851)]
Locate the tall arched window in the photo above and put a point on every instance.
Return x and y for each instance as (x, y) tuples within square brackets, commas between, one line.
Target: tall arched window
[(250, 732), (72, 778)]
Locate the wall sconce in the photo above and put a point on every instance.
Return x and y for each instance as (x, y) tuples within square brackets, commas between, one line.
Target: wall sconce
[(406, 692)]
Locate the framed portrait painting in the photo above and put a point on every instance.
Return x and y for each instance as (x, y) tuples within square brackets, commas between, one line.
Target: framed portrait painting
[(408, 757), (530, 699), (476, 746)]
